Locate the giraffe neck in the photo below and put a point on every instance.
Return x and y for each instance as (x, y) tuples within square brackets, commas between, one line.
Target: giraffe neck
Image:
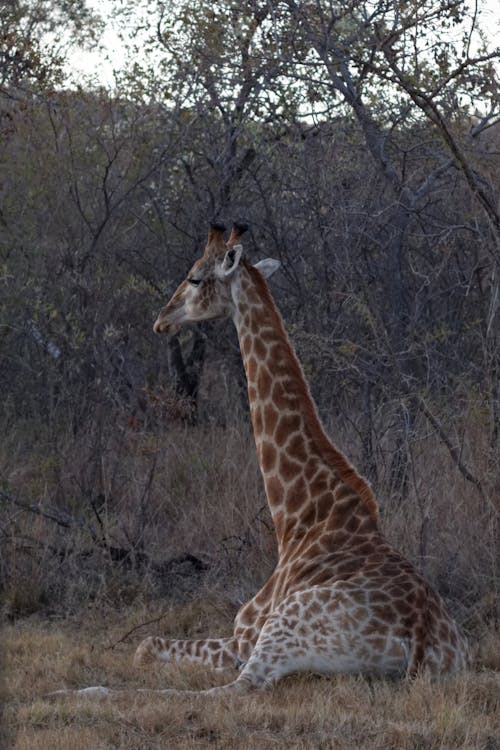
[(308, 481)]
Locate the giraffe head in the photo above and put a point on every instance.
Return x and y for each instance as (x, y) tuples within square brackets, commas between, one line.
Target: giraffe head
[(206, 293)]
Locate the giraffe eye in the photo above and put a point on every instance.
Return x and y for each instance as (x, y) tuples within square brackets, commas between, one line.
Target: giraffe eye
[(193, 281)]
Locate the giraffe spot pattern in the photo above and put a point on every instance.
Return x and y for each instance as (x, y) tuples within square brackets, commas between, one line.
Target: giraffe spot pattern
[(296, 493), (264, 383), (268, 456), (288, 424), (270, 419), (340, 598), (289, 470)]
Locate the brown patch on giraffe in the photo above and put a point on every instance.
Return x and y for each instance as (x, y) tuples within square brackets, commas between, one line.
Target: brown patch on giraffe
[(279, 523), (322, 577), (297, 448), (352, 524), (367, 525), (311, 467), (314, 608), (251, 368), (396, 592), (378, 597), (403, 608), (274, 491), (268, 335), (315, 550), (342, 492), (287, 425), (260, 349), (257, 420), (259, 324), (366, 549), (281, 396), (333, 540), (249, 634), (320, 483), (324, 596), (289, 470), (376, 558), (268, 455), (324, 505), (360, 613), (378, 643), (270, 419), (278, 352), (395, 650), (347, 567), (306, 598), (308, 517), (264, 382), (247, 614), (263, 595), (246, 345), (346, 507), (252, 393), (296, 494), (253, 300), (289, 534)]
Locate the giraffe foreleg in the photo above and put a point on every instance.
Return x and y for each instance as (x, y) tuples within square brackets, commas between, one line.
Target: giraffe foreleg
[(215, 652)]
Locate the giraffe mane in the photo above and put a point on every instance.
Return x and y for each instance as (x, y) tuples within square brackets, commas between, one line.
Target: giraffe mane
[(331, 454)]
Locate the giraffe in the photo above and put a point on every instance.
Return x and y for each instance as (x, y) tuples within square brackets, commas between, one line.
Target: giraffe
[(341, 598)]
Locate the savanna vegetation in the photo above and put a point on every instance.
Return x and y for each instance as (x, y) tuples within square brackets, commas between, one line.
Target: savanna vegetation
[(361, 143)]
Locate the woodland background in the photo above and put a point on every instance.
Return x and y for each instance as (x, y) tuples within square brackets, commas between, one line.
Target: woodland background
[(361, 143)]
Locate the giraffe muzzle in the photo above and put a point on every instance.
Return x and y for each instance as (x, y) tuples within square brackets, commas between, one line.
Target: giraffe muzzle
[(163, 326)]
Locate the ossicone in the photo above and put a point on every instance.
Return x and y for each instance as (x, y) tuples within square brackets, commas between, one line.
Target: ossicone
[(238, 229), (216, 230)]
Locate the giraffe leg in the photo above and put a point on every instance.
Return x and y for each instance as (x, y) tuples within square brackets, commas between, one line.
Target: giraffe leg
[(215, 652), (323, 630), (219, 653)]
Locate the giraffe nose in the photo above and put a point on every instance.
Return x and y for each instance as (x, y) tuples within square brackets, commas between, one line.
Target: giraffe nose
[(160, 326)]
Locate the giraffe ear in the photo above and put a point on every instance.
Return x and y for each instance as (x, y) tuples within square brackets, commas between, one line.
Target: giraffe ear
[(231, 261), (267, 266)]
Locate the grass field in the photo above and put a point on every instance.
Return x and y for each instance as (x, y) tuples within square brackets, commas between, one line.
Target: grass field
[(301, 712)]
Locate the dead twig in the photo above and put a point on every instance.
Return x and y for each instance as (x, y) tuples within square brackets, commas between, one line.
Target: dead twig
[(137, 627)]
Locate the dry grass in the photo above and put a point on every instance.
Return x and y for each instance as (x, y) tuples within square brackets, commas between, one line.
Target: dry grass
[(302, 712), (198, 490)]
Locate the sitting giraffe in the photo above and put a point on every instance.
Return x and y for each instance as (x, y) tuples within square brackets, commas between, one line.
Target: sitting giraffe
[(341, 599)]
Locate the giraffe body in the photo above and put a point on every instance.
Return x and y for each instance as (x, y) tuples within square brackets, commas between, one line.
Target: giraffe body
[(340, 599)]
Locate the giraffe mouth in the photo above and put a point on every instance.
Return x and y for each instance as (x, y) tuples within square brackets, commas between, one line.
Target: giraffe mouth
[(162, 326)]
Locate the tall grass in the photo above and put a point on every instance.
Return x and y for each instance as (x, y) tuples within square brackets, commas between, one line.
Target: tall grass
[(110, 514)]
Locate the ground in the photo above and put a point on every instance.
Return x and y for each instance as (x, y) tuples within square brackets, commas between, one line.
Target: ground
[(304, 712)]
